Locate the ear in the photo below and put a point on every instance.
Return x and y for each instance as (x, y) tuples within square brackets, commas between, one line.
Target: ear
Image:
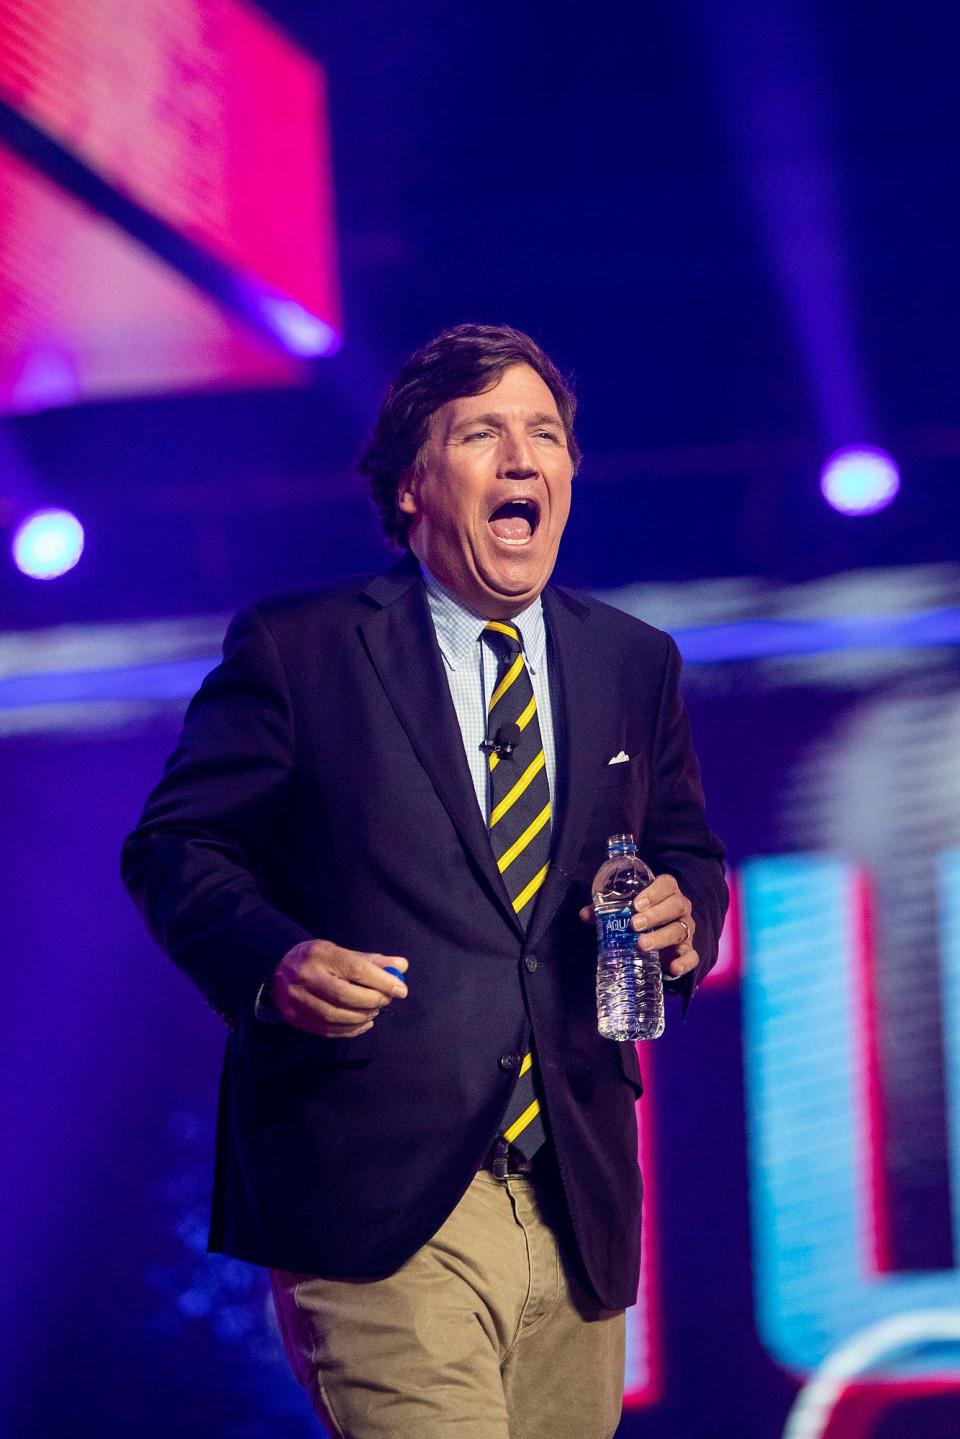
[(407, 495)]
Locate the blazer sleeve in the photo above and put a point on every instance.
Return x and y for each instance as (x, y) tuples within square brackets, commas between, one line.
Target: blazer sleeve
[(676, 838), (191, 862)]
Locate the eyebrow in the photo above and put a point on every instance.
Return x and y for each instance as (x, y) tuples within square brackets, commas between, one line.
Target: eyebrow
[(492, 418)]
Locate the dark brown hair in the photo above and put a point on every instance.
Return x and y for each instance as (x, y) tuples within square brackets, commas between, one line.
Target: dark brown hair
[(466, 360)]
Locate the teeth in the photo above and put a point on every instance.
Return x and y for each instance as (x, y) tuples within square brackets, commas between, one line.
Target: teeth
[(528, 505)]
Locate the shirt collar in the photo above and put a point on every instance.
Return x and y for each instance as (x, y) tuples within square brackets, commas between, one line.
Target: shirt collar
[(459, 629)]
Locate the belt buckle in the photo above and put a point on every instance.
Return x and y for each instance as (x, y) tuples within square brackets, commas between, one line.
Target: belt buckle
[(501, 1159)]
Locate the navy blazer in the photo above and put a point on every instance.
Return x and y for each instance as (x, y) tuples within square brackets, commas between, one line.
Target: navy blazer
[(320, 789)]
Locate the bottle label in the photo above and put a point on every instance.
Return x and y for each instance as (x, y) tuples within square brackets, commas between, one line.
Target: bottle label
[(614, 930)]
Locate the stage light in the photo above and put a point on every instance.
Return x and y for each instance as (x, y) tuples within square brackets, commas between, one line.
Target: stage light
[(296, 328), (859, 480), (47, 544)]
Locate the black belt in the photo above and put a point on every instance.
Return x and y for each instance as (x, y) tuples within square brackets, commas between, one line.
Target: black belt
[(503, 1159)]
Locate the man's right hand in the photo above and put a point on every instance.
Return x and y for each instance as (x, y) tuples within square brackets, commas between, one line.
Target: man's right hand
[(336, 993)]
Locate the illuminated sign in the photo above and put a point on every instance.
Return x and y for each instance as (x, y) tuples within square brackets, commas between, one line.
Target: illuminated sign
[(827, 1303), (210, 122)]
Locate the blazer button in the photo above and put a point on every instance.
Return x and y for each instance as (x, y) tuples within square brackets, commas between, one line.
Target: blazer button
[(531, 963), (509, 1061)]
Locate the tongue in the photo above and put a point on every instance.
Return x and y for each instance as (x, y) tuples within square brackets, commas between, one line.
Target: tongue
[(511, 527)]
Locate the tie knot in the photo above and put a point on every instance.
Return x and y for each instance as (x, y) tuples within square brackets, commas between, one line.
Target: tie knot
[(504, 638)]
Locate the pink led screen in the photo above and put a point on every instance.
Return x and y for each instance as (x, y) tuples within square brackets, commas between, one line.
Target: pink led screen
[(209, 118), (87, 312)]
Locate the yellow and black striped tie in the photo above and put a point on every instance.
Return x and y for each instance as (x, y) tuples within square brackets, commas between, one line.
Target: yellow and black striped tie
[(519, 833)]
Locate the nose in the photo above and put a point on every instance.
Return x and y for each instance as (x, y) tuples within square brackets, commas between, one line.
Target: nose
[(517, 460)]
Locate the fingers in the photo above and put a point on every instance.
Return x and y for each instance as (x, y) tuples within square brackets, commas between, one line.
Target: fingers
[(335, 992), (662, 907), (664, 920), (686, 960), (367, 972), (319, 1017), (667, 935), (351, 975)]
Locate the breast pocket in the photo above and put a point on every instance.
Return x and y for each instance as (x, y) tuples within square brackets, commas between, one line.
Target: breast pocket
[(619, 807), (627, 772)]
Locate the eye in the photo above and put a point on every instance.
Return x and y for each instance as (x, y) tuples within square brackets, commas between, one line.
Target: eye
[(478, 435), (549, 435)]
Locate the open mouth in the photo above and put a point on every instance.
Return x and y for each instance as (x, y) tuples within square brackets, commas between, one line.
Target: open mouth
[(515, 522)]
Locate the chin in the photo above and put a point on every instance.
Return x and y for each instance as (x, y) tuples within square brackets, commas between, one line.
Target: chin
[(517, 596)]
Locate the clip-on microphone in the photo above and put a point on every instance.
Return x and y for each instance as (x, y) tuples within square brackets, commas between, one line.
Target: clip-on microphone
[(504, 741)]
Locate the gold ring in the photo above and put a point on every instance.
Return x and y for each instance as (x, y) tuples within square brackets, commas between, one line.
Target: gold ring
[(686, 931)]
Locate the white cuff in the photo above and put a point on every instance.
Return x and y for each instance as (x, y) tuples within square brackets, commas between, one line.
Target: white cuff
[(263, 1008)]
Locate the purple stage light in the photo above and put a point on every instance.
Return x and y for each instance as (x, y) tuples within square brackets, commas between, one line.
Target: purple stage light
[(47, 544), (300, 332), (860, 479)]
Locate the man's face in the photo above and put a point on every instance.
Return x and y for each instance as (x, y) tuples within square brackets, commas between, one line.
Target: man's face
[(491, 497)]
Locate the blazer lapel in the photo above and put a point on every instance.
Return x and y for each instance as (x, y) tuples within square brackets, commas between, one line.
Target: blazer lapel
[(578, 703), (402, 644)]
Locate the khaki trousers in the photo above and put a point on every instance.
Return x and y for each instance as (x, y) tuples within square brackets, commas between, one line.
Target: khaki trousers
[(482, 1334)]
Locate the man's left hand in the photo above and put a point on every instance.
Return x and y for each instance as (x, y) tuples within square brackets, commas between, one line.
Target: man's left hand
[(666, 918)]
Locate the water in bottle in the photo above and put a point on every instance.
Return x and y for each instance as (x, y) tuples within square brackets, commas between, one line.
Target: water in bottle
[(629, 980)]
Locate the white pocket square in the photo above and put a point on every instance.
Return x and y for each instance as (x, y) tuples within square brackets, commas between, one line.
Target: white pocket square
[(620, 758)]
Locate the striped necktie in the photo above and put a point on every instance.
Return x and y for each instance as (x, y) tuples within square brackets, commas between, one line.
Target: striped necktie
[(519, 834)]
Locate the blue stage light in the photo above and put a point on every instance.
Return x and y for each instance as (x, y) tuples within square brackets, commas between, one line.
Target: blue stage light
[(47, 544), (860, 479)]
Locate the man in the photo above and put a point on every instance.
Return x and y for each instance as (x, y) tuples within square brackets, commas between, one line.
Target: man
[(372, 851)]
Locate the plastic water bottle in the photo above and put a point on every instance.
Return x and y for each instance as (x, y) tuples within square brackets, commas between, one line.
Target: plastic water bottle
[(629, 980)]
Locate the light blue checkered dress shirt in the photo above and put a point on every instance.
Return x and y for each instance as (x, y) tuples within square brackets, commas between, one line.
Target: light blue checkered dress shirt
[(471, 669)]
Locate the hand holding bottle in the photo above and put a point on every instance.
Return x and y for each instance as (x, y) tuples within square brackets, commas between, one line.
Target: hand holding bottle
[(666, 914)]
